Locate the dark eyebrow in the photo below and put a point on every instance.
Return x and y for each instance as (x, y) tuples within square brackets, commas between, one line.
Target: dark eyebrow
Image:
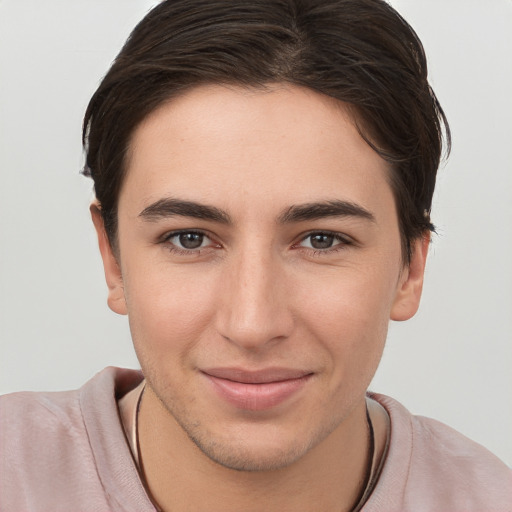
[(320, 210), (169, 207)]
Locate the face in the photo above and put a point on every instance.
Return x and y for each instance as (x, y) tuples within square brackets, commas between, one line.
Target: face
[(259, 263)]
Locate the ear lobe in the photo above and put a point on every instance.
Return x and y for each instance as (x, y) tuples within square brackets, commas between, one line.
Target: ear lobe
[(408, 295), (113, 276)]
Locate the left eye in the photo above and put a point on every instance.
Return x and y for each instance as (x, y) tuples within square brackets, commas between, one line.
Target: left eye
[(189, 240), (321, 241)]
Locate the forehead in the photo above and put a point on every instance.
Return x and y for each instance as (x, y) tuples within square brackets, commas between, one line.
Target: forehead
[(260, 148)]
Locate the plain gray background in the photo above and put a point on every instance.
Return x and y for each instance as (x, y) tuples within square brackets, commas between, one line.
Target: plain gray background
[(452, 361)]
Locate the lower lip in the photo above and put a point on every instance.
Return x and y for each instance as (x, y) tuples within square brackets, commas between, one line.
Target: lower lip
[(257, 397)]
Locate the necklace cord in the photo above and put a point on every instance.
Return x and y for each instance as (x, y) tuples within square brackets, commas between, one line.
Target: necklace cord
[(371, 473)]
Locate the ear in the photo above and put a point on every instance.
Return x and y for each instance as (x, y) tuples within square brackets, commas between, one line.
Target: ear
[(408, 295), (113, 276)]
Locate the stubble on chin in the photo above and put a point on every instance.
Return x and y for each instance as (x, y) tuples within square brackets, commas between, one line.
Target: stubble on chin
[(240, 452)]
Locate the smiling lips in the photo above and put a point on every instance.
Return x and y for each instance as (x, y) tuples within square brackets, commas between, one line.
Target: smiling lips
[(256, 390)]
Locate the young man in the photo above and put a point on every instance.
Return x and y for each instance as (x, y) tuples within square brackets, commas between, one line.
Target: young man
[(264, 175)]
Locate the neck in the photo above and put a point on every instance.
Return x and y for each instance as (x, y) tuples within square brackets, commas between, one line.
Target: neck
[(331, 476)]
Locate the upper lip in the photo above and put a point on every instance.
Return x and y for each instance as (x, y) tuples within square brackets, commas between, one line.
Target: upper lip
[(263, 376)]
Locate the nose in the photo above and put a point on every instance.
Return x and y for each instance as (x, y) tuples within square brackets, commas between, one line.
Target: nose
[(254, 308)]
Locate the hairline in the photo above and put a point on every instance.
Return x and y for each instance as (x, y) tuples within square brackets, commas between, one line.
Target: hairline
[(349, 109)]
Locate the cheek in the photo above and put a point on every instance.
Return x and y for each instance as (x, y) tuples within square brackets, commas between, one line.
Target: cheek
[(348, 297), (168, 311), (349, 314)]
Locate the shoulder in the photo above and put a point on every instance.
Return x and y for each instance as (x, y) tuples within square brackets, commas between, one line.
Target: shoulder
[(458, 468), (42, 438), (58, 415), (431, 466), (29, 411), (33, 425), (58, 448)]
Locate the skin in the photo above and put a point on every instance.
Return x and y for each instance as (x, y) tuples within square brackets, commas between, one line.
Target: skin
[(271, 286)]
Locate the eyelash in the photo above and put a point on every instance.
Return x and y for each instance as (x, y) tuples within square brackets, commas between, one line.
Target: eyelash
[(343, 241), (166, 240)]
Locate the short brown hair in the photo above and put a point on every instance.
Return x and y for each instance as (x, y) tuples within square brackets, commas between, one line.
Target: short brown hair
[(361, 52)]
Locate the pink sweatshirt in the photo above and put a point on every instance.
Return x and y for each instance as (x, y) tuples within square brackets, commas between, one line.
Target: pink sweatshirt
[(67, 451)]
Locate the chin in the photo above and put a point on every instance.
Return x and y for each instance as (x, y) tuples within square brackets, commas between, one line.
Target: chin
[(256, 447), (248, 456)]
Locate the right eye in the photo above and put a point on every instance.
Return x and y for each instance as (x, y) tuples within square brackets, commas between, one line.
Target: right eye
[(187, 241)]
